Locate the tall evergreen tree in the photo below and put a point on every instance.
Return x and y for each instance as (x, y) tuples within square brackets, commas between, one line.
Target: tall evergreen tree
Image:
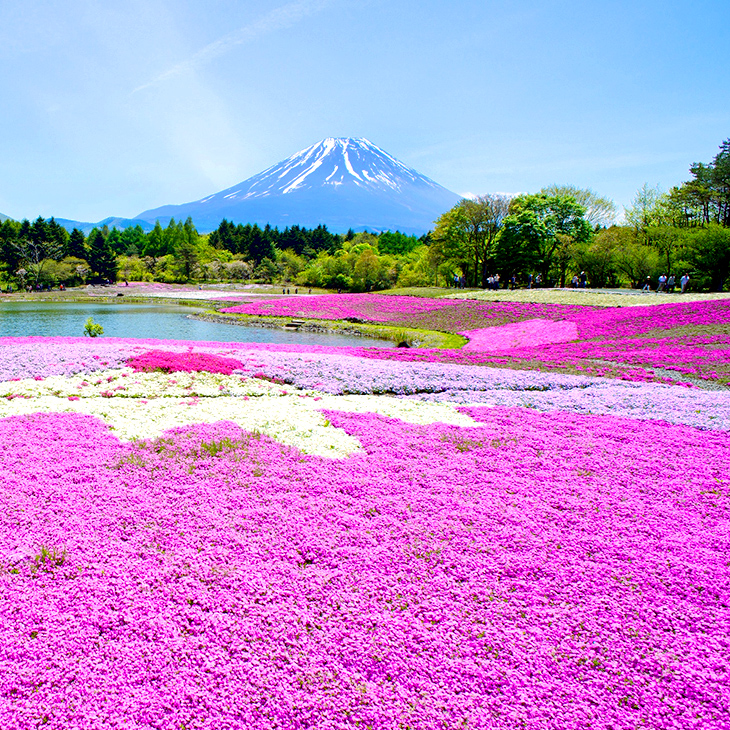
[(155, 244), (260, 246), (186, 249), (132, 241), (76, 245), (36, 248), (114, 240), (9, 231), (101, 258), (224, 237), (57, 233)]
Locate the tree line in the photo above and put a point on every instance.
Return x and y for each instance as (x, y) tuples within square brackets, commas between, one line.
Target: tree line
[(559, 235), (42, 253), (563, 232)]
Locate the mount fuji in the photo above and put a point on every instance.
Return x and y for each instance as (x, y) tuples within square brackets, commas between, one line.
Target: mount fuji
[(341, 182)]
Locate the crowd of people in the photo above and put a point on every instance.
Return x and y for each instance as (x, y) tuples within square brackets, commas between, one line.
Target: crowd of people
[(667, 283)]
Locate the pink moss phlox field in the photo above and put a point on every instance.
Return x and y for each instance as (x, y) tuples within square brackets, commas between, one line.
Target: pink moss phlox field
[(632, 340), (340, 373), (592, 322), (614, 323), (655, 402), (451, 383), (537, 571), (445, 314), (186, 362), (707, 363), (530, 333)]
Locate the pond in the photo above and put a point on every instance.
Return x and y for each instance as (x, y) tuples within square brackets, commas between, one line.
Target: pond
[(158, 321)]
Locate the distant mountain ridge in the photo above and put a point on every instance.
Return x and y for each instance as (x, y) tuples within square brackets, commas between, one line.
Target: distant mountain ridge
[(112, 222), (86, 228), (341, 182)]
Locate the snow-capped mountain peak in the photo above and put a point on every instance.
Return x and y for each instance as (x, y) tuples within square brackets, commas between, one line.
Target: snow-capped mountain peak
[(343, 182), (332, 162)]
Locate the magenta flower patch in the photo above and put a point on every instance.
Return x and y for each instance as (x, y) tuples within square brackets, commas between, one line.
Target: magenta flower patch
[(441, 314), (544, 571), (185, 362), (438, 545)]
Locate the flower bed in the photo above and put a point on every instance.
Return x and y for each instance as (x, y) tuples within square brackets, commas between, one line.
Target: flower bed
[(530, 333), (287, 545), (583, 297), (627, 343), (187, 362), (445, 315), (455, 315)]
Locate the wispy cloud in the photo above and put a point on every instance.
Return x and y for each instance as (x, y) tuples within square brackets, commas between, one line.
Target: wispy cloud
[(282, 17)]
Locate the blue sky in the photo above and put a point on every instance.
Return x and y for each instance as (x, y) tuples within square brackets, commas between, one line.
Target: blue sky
[(110, 107)]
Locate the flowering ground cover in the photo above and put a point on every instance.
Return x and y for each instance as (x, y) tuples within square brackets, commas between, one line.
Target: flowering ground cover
[(585, 297), (445, 315), (530, 333), (222, 535), (158, 290), (689, 338)]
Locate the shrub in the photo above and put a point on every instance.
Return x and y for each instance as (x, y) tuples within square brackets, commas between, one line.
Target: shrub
[(92, 329)]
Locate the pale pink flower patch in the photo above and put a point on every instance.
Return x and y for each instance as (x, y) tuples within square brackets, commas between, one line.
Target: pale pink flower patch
[(530, 333)]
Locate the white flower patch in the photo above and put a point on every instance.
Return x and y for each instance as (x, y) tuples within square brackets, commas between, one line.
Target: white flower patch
[(124, 382), (148, 404), (283, 419)]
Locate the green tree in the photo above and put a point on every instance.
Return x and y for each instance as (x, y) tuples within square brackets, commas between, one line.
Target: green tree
[(114, 240), (397, 243), (537, 228), (57, 233), (598, 256), (132, 241), (101, 258), (372, 272), (156, 245), (267, 271), (291, 264), (634, 259), (225, 237), (186, 248), (76, 246), (35, 247), (467, 233), (668, 242), (260, 246), (647, 210), (708, 250), (706, 198), (600, 211), (415, 269), (70, 271), (9, 234)]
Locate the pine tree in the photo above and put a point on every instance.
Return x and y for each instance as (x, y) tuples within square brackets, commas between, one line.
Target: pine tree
[(260, 246), (155, 244), (76, 245), (101, 258), (186, 249)]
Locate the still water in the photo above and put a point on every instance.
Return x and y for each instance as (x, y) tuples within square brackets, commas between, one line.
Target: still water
[(165, 322)]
